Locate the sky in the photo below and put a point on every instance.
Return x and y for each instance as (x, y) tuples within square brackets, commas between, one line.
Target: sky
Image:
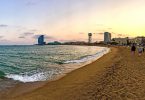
[(22, 21)]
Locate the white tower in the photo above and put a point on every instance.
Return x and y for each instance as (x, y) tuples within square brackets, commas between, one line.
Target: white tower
[(89, 37)]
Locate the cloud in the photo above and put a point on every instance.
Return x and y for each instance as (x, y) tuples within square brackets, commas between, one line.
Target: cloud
[(28, 33), (110, 28), (30, 3), (120, 34), (1, 37), (49, 37), (113, 33), (100, 25), (22, 37), (81, 33), (100, 33), (3, 25), (33, 30)]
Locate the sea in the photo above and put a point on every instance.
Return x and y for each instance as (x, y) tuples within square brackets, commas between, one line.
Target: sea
[(40, 63)]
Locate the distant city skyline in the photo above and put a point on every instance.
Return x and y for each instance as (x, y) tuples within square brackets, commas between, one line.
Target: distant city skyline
[(22, 21)]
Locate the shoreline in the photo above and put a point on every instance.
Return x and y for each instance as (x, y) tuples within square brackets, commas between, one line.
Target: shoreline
[(36, 85)]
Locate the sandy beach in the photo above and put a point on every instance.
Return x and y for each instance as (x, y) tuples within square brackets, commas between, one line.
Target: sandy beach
[(118, 75)]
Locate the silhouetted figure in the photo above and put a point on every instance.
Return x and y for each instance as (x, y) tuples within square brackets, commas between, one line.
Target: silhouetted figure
[(143, 49), (133, 49)]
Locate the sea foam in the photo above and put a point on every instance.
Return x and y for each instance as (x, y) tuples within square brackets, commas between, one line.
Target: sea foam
[(90, 57), (40, 76), (26, 78)]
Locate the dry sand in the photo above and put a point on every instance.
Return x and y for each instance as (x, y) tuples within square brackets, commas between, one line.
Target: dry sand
[(116, 76)]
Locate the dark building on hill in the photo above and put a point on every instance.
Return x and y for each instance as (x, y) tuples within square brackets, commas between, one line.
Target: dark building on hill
[(41, 40)]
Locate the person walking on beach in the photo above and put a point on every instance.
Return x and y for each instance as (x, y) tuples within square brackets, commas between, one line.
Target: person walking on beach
[(133, 49), (140, 50), (143, 49)]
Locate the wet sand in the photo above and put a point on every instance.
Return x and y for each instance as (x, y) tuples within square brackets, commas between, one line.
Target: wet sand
[(118, 75)]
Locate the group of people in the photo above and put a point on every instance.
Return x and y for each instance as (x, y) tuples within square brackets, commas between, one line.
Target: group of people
[(140, 49)]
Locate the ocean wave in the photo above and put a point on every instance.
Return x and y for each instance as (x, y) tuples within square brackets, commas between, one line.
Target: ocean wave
[(26, 78), (90, 57), (40, 76)]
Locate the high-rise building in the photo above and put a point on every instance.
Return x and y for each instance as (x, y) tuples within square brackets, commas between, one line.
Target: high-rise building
[(41, 40), (89, 37), (107, 37)]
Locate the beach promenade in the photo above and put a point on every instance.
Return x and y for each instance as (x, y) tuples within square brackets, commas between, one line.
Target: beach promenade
[(118, 75)]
